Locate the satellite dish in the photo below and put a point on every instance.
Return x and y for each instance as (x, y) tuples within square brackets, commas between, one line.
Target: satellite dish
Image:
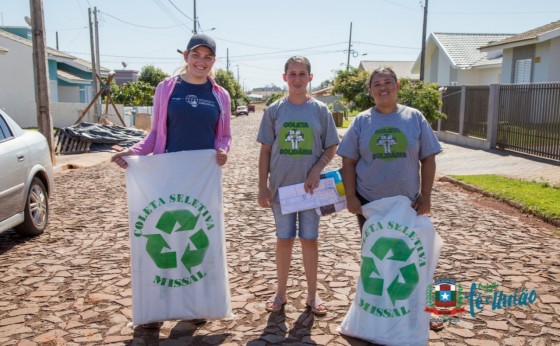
[(123, 64), (27, 20)]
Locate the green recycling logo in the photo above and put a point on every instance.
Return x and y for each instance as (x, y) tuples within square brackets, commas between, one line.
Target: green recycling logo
[(177, 222), (388, 144), (401, 252)]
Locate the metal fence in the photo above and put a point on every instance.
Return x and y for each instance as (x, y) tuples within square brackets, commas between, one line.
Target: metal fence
[(529, 119), (476, 111), (452, 108), (528, 116)]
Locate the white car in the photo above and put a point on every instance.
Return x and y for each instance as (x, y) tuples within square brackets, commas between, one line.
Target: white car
[(26, 178), (241, 110)]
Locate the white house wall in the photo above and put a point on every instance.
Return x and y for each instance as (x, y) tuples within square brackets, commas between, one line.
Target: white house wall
[(68, 94), (548, 69), (16, 71), (479, 76), (554, 60), (443, 69), (507, 66)]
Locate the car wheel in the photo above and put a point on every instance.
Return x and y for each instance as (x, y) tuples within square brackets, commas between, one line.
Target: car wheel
[(36, 213)]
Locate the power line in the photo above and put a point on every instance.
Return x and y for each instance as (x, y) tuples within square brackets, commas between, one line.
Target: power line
[(385, 45), (137, 25), (177, 8), (169, 14), (495, 13)]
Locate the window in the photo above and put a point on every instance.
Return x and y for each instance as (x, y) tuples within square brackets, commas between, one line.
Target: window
[(522, 71), (5, 132)]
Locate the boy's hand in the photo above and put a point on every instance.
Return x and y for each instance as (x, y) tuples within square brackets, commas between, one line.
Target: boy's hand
[(265, 197), (312, 180)]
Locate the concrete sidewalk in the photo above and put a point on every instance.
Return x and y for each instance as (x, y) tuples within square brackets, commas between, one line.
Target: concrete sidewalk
[(458, 160)]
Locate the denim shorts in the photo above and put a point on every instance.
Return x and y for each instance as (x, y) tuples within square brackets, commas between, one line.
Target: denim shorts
[(286, 225)]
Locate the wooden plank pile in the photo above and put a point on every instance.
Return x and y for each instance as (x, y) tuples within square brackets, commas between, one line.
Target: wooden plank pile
[(65, 144)]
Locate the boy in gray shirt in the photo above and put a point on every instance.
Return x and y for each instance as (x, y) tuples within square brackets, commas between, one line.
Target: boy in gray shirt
[(298, 139)]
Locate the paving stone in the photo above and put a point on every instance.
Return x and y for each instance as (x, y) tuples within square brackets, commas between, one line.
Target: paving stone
[(72, 284)]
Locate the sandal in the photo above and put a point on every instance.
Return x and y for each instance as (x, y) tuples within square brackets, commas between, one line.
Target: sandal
[(274, 305), (319, 308)]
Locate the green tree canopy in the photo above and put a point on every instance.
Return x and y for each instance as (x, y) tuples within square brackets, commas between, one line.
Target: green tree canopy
[(351, 85), (423, 96), (226, 80), (274, 97), (152, 75), (133, 93)]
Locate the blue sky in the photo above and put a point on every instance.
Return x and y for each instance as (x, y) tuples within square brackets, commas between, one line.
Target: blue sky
[(260, 35)]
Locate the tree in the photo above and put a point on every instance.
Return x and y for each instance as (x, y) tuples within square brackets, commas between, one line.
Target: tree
[(133, 93), (274, 97), (425, 97), (226, 80), (351, 85), (152, 75)]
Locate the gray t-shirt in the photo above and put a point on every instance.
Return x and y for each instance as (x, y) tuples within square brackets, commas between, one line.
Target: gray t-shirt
[(388, 148), (298, 135)]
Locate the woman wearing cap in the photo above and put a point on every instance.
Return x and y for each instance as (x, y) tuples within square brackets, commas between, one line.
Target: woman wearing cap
[(191, 111)]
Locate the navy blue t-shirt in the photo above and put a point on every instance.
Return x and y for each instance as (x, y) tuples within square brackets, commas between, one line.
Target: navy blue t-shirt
[(192, 116)]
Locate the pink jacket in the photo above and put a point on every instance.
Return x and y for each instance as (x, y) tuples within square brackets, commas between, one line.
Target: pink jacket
[(156, 140)]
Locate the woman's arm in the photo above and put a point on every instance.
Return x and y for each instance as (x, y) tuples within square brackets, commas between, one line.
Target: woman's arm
[(423, 203)]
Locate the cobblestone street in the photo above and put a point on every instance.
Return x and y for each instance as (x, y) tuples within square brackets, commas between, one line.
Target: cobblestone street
[(71, 286)]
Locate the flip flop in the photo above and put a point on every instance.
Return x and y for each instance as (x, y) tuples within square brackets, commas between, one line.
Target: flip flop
[(319, 308), (274, 305)]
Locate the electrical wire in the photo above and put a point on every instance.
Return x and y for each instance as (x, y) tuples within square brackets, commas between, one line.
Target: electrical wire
[(138, 25)]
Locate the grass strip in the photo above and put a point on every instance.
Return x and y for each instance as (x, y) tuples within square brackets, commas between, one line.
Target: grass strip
[(539, 198)]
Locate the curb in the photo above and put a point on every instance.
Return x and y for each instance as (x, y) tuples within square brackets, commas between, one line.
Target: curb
[(514, 204)]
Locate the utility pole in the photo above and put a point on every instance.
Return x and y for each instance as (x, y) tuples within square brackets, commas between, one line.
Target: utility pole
[(227, 59), (93, 64), (423, 52), (349, 48), (237, 74), (39, 47), (195, 24), (99, 103)]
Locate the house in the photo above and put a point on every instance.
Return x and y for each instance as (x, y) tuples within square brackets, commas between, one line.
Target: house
[(125, 76), (267, 91), (401, 68), (70, 80), (530, 57), (455, 59)]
